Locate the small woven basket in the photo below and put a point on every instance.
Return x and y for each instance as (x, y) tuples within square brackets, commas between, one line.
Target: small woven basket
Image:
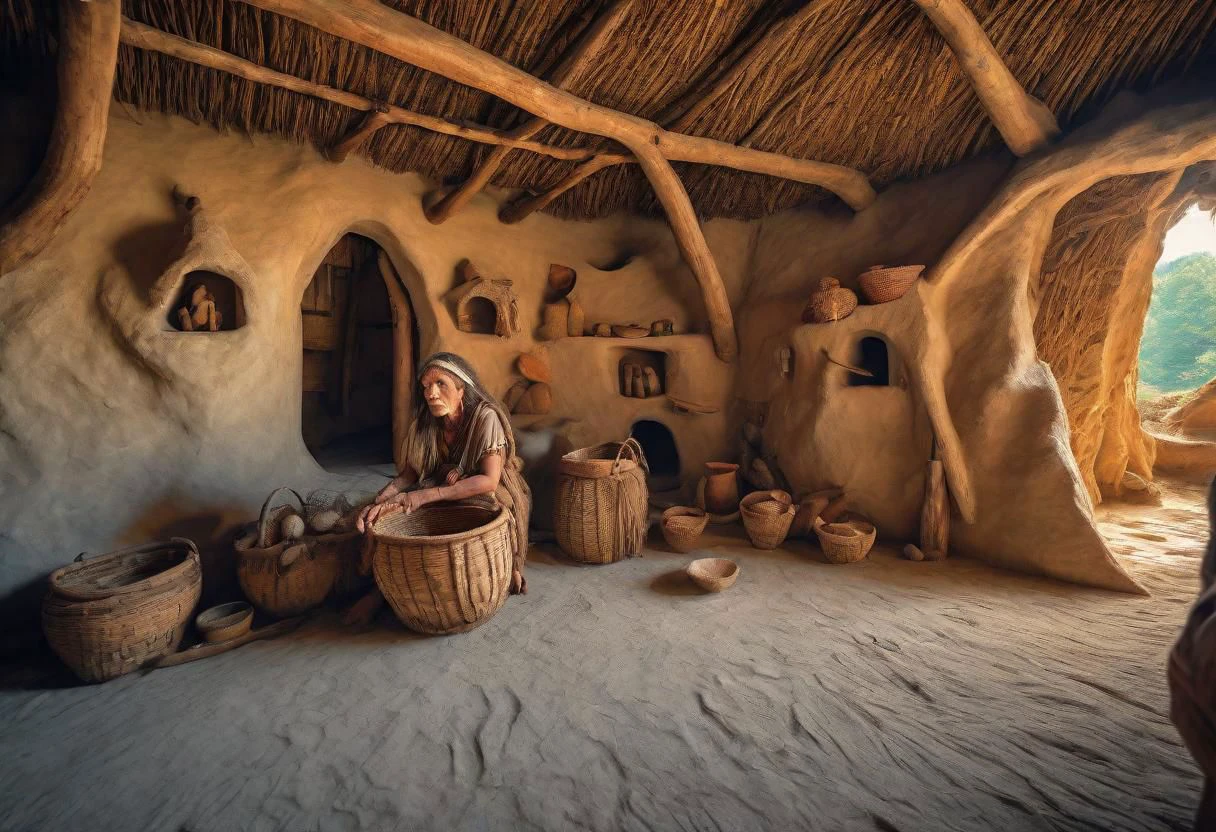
[(829, 302), (279, 590), (682, 527), (600, 509), (847, 541), (112, 614), (767, 516), (446, 567), (713, 574), (882, 284)]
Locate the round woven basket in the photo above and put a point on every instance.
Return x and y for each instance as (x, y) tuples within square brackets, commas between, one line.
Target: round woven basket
[(767, 516), (112, 614), (847, 541), (713, 574), (600, 508), (682, 527), (882, 284), (446, 567), (285, 590), (829, 302)]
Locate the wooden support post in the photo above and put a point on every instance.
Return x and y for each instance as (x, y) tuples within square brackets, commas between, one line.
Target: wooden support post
[(515, 211), (687, 230), (373, 121), (88, 53), (584, 54), (1023, 121)]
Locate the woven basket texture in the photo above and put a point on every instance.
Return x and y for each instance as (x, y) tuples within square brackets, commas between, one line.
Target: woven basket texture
[(682, 527), (600, 511), (114, 613), (767, 516), (883, 285), (445, 568), (829, 302), (846, 541)]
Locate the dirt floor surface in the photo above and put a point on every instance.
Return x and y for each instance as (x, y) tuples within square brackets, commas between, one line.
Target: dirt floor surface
[(884, 695)]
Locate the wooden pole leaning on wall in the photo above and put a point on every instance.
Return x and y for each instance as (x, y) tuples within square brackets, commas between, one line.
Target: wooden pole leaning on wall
[(88, 54), (1024, 122), (582, 56)]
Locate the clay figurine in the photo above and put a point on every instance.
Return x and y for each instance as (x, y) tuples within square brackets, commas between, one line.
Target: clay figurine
[(201, 314)]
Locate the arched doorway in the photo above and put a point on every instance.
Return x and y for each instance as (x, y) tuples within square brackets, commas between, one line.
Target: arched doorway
[(659, 445), (360, 345)]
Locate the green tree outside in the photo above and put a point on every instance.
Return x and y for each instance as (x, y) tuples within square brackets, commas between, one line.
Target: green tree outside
[(1178, 350)]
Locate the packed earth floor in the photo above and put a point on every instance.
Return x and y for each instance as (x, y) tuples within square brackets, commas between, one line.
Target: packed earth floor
[(884, 695)]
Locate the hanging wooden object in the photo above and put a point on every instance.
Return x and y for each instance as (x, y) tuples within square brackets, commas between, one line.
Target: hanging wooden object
[(935, 512)]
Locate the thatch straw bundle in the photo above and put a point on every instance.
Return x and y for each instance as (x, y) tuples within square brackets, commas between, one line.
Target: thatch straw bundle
[(870, 85)]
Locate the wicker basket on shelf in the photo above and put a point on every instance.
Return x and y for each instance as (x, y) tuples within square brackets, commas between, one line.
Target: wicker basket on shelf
[(846, 541), (446, 567), (600, 512), (883, 284), (682, 527), (112, 614), (767, 516)]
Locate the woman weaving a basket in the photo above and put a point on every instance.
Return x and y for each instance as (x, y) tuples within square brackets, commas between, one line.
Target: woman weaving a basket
[(459, 447)]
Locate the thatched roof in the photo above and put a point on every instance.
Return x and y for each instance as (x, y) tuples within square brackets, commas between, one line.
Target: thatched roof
[(867, 84)]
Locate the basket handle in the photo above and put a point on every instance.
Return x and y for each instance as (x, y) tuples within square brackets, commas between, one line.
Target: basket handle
[(635, 450), (266, 508)]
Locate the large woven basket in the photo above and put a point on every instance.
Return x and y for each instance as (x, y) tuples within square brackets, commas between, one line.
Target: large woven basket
[(882, 284), (446, 567), (112, 614), (767, 516), (600, 510), (847, 541), (278, 578)]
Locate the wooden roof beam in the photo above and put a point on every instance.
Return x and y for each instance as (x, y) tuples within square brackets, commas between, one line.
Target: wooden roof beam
[(1024, 122), (154, 40), (88, 54), (572, 67), (678, 116)]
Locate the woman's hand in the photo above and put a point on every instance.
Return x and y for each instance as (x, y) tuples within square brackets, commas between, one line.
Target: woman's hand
[(370, 514)]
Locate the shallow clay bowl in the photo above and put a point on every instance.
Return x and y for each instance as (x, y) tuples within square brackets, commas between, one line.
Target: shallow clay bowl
[(713, 574), (225, 622), (629, 331)]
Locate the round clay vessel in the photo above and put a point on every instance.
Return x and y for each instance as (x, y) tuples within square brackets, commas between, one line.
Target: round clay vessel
[(721, 487), (829, 302)]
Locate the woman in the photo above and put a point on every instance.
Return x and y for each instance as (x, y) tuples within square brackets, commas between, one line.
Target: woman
[(459, 447)]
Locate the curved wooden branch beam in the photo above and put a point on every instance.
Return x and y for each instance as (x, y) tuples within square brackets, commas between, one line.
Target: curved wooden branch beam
[(154, 40), (520, 208), (379, 27), (373, 121), (88, 53), (1023, 121), (1150, 140), (683, 221), (589, 46)]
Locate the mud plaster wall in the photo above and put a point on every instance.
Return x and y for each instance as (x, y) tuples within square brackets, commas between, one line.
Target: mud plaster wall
[(111, 432)]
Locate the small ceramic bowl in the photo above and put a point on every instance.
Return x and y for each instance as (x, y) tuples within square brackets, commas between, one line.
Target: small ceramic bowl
[(225, 622), (713, 574)]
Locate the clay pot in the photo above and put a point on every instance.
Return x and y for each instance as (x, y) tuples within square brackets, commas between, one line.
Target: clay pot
[(537, 401), (576, 319), (829, 302), (721, 487), (561, 281), (601, 330), (664, 326), (553, 321), (534, 367)]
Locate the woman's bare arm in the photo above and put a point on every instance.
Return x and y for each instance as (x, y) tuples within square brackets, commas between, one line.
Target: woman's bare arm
[(484, 483)]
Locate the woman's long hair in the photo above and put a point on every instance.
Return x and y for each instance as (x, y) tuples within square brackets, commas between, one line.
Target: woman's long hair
[(422, 438)]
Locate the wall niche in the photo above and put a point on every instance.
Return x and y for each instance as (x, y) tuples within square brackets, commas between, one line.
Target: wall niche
[(642, 374), (207, 302)]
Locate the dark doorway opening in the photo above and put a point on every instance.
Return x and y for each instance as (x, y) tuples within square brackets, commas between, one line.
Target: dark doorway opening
[(352, 342), (660, 448), (871, 355)]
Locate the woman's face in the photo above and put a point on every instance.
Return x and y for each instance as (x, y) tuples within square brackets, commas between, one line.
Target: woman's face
[(442, 391)]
